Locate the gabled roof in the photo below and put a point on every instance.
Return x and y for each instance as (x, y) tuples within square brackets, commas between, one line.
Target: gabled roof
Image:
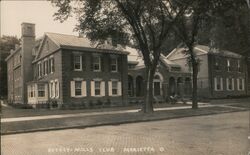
[(200, 50), (68, 40), (81, 43)]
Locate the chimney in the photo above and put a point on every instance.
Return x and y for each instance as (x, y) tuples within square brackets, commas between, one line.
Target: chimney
[(27, 44)]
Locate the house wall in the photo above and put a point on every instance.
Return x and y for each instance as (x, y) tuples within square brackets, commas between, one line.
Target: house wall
[(56, 75), (224, 74), (202, 79), (68, 75), (10, 75)]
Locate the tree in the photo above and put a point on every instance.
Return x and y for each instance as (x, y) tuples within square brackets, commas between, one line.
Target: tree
[(6, 44), (145, 22)]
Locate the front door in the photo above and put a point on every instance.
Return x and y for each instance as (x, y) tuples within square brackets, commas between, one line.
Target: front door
[(157, 89)]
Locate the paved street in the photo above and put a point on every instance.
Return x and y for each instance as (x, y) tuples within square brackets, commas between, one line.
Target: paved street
[(220, 134)]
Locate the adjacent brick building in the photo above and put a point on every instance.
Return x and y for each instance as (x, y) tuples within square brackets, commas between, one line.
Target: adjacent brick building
[(66, 70), (221, 73)]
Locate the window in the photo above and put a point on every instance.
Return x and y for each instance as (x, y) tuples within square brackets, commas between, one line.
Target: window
[(114, 65), (218, 84), (39, 69), (46, 67), (239, 66), (228, 65), (97, 63), (114, 87), (78, 88), (77, 62), (241, 84), (51, 89), (216, 65), (56, 89), (97, 88), (52, 65), (230, 84), (41, 90)]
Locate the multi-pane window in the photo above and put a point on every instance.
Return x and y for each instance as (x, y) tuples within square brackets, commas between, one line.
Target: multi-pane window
[(114, 64), (39, 69), (97, 87), (52, 65), (56, 89), (97, 63), (228, 65), (239, 66), (230, 84), (241, 84), (77, 62), (114, 87), (78, 88), (46, 67), (41, 90), (218, 84), (216, 64)]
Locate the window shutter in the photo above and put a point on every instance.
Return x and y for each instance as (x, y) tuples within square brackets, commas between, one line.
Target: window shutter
[(58, 90), (49, 89), (243, 84), (238, 84), (232, 83), (91, 63), (102, 63), (84, 88), (215, 83), (227, 84), (119, 63), (46, 91), (83, 63), (72, 86), (119, 89), (110, 88), (102, 88), (92, 88), (72, 61), (221, 83)]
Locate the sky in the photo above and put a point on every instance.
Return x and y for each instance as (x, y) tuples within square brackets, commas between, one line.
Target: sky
[(39, 12)]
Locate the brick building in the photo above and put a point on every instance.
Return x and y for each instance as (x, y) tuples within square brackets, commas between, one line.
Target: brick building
[(170, 79), (221, 73), (65, 70)]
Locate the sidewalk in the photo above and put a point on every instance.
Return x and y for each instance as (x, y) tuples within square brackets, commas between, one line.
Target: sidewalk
[(83, 120)]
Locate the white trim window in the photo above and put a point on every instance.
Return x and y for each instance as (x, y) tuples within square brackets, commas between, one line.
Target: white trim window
[(46, 65), (51, 91), (41, 90), (97, 88), (114, 65), (218, 84), (77, 62), (39, 69), (96, 63), (230, 84), (239, 66), (56, 88), (241, 84), (51, 65), (78, 88), (115, 88)]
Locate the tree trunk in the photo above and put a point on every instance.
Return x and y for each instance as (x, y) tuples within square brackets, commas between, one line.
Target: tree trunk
[(194, 92), (148, 100)]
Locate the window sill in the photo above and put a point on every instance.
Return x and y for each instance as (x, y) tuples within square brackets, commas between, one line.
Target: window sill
[(78, 70), (97, 96), (78, 96), (96, 71)]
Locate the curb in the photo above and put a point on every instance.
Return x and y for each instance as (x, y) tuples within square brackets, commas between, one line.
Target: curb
[(117, 122)]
